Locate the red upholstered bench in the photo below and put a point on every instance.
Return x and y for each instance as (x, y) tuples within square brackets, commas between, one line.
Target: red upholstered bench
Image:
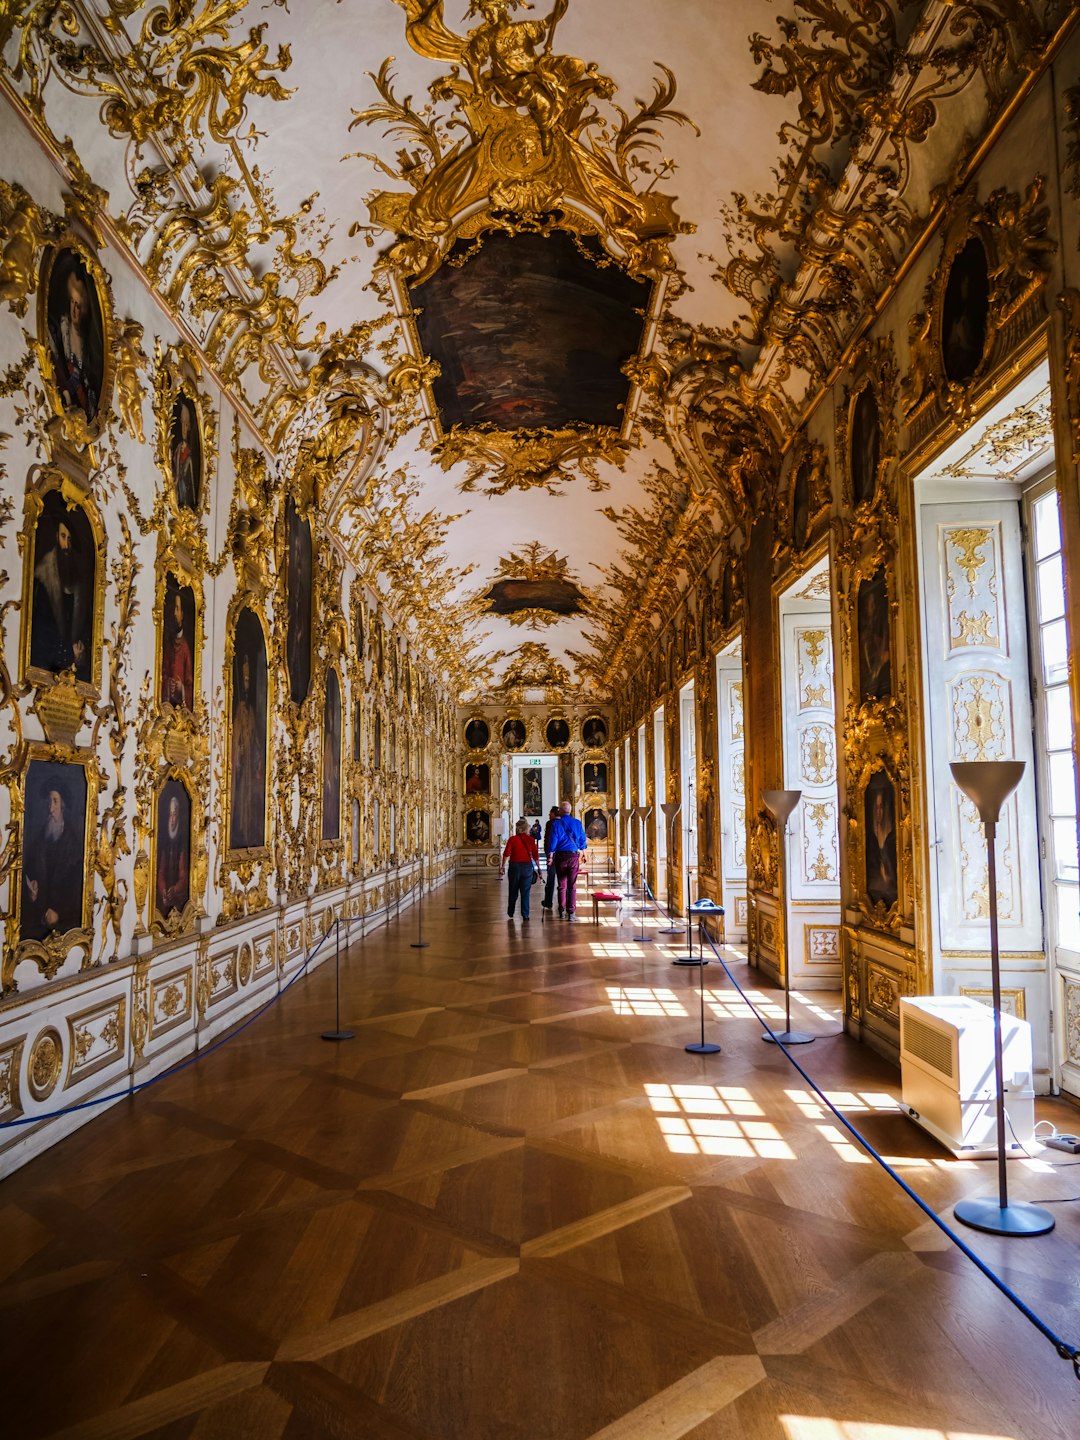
[(608, 897)]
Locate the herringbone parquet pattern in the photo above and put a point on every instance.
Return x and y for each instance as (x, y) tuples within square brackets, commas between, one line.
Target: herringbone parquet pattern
[(513, 1208)]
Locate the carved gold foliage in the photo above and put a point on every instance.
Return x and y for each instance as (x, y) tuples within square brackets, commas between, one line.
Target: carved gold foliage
[(23, 227), (1013, 232), (500, 461), (520, 131), (178, 79), (1069, 303)]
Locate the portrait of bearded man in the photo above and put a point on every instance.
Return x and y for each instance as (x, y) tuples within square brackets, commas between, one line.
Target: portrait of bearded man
[(61, 616), (53, 856), (173, 849)]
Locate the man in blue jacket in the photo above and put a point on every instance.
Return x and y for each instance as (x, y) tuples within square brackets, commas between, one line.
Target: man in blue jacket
[(568, 845)]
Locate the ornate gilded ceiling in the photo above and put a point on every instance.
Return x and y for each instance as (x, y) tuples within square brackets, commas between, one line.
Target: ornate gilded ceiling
[(298, 180)]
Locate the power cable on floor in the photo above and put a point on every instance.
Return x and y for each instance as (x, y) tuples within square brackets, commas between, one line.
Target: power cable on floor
[(1063, 1348)]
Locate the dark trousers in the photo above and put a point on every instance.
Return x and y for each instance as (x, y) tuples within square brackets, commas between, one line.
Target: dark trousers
[(521, 873), (549, 883), (566, 868)]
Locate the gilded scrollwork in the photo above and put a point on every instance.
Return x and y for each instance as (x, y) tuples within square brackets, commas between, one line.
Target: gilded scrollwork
[(994, 261)]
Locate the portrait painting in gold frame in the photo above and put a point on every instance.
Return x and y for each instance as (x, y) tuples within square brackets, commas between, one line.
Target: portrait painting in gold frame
[(63, 585), (248, 703), (74, 337)]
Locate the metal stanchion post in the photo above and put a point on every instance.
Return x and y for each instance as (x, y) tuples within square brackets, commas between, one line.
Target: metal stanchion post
[(420, 943), (337, 1033), (703, 1047)]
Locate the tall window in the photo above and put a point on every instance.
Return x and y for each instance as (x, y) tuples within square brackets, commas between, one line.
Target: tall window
[(1054, 718)]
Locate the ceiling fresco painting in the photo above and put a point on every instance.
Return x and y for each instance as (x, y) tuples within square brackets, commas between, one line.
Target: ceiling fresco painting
[(376, 222), (530, 332)]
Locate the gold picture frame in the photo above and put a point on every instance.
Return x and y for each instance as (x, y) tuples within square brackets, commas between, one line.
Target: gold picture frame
[(76, 426), (178, 920), (173, 561), (243, 859), (50, 950), (53, 482), (177, 376)]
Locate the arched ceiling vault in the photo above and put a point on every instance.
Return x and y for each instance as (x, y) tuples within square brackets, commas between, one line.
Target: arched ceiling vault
[(536, 346)]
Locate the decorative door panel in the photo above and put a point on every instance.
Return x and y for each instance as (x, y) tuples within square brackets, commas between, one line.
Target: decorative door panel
[(732, 793), (810, 757), (979, 708), (810, 765)]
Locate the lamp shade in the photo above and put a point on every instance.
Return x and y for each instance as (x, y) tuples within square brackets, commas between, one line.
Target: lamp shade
[(671, 808), (643, 811), (987, 784), (780, 803)]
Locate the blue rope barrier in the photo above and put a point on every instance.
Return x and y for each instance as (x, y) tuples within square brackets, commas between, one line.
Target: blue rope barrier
[(1063, 1348), (181, 1064)]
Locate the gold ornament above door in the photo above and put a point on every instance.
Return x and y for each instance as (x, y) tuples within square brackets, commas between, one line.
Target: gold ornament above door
[(527, 264)]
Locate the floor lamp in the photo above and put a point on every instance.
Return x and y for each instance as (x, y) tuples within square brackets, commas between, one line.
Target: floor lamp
[(987, 784), (642, 812), (780, 804), (671, 810)]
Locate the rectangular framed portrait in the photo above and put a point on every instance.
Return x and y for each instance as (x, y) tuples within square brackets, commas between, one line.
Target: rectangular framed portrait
[(477, 779), (882, 884), (874, 641), (172, 851), (178, 642), (63, 586), (594, 778), (596, 826), (59, 800), (298, 601), (248, 705), (331, 758), (478, 827)]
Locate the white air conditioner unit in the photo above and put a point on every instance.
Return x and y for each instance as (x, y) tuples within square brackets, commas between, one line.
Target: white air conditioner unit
[(947, 1073)]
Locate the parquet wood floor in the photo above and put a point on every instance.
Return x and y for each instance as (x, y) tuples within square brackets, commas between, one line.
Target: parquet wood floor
[(513, 1208)]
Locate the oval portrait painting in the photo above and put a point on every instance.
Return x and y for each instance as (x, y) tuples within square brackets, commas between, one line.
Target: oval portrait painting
[(76, 334)]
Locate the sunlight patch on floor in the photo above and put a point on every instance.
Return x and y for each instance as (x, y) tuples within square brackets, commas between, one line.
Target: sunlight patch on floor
[(643, 1000), (715, 1120), (814, 1427)]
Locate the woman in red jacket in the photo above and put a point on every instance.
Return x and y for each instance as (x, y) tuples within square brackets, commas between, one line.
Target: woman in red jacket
[(524, 861)]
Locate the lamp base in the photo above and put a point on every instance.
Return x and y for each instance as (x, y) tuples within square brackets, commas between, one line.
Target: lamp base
[(789, 1037), (338, 1035), (705, 1049), (987, 1214)]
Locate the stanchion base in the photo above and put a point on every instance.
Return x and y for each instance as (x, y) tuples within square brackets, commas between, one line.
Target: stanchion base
[(789, 1037), (453, 907), (689, 960), (338, 1035), (986, 1214), (419, 944), (642, 939), (672, 930), (700, 1049)]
